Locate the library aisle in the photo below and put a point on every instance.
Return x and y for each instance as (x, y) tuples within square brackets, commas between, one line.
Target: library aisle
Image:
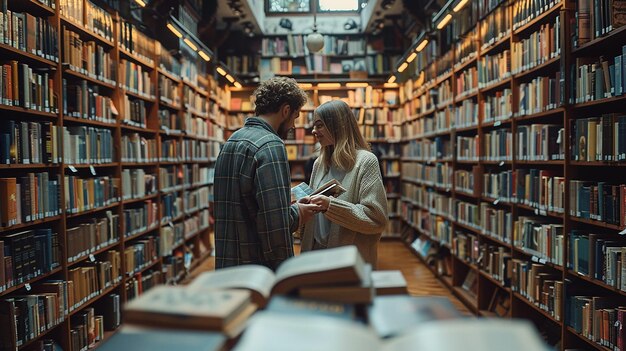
[(392, 254)]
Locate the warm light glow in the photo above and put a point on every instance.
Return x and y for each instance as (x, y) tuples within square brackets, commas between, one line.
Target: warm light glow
[(191, 44), (390, 85), (174, 30), (357, 85), (204, 56), (402, 67), (230, 78), (221, 71), (460, 5), (391, 79), (422, 45), (444, 21), (305, 85), (411, 57), (140, 3), (329, 85), (237, 85)]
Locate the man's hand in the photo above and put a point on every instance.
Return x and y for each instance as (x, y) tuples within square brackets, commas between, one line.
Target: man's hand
[(305, 200), (307, 211)]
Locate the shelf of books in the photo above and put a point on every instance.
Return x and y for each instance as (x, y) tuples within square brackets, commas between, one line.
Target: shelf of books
[(512, 182), (105, 177)]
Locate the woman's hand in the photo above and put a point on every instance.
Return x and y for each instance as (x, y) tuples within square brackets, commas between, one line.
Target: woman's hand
[(322, 201)]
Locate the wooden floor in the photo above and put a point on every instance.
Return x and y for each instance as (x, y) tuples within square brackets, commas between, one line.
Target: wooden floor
[(391, 255)]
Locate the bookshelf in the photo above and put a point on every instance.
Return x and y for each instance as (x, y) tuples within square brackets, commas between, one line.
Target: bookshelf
[(96, 117), (535, 192)]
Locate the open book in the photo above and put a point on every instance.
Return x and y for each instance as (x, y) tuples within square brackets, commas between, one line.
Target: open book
[(337, 266), (223, 310), (330, 188), (281, 332)]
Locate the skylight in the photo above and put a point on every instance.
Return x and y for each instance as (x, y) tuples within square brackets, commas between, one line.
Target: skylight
[(339, 5)]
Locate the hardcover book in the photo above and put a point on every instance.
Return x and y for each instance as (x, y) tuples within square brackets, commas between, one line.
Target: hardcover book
[(222, 310), (338, 266)]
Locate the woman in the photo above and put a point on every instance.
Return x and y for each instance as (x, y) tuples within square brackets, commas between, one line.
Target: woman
[(359, 215)]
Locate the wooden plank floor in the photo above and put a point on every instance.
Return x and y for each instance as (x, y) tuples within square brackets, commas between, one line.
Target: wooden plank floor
[(392, 254)]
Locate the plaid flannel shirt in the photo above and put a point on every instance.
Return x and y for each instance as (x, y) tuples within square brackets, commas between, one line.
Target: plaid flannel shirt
[(253, 216)]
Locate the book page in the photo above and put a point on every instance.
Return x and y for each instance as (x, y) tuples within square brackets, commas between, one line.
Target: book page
[(253, 277), (211, 305), (470, 335), (322, 261), (287, 332)]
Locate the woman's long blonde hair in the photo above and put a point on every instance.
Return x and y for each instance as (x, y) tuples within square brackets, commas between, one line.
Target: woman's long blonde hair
[(341, 124)]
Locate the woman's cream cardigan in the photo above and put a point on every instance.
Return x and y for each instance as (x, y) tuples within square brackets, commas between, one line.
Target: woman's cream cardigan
[(358, 216)]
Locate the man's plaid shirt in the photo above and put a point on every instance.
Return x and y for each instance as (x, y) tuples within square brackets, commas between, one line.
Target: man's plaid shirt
[(253, 216)]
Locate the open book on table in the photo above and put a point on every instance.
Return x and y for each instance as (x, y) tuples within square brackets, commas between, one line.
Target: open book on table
[(330, 188), (282, 332), (341, 266)]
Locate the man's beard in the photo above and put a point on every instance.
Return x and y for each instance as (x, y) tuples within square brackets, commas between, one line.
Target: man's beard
[(283, 130)]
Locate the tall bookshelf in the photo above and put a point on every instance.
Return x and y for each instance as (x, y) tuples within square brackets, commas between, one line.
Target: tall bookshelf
[(378, 114), (92, 191), (527, 221)]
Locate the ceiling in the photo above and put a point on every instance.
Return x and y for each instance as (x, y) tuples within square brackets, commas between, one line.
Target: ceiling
[(249, 16)]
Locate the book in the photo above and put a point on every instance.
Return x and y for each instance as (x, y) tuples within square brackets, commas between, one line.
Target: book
[(393, 315), (337, 266), (330, 188), (138, 338), (362, 293), (278, 332), (199, 309), (309, 307), (390, 282)]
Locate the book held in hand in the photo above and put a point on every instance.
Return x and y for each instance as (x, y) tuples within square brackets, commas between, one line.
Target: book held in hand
[(337, 266), (330, 188)]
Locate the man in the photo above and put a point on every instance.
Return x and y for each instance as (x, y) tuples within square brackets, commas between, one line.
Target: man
[(253, 216)]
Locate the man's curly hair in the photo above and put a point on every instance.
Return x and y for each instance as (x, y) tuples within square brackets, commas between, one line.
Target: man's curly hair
[(275, 92)]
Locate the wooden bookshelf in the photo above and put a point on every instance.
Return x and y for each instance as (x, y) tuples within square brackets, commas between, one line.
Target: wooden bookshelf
[(195, 216), (508, 209)]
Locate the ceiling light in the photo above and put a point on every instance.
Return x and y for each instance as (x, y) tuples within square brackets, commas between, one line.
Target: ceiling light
[(402, 67), (220, 70), (391, 79), (286, 23), (411, 57), (140, 3), (444, 21), (230, 78), (390, 85), (204, 56), (305, 85), (422, 45), (191, 44), (460, 5), (237, 85), (350, 24), (174, 30)]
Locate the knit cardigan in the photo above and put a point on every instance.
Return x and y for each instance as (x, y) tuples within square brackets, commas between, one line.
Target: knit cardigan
[(358, 216)]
